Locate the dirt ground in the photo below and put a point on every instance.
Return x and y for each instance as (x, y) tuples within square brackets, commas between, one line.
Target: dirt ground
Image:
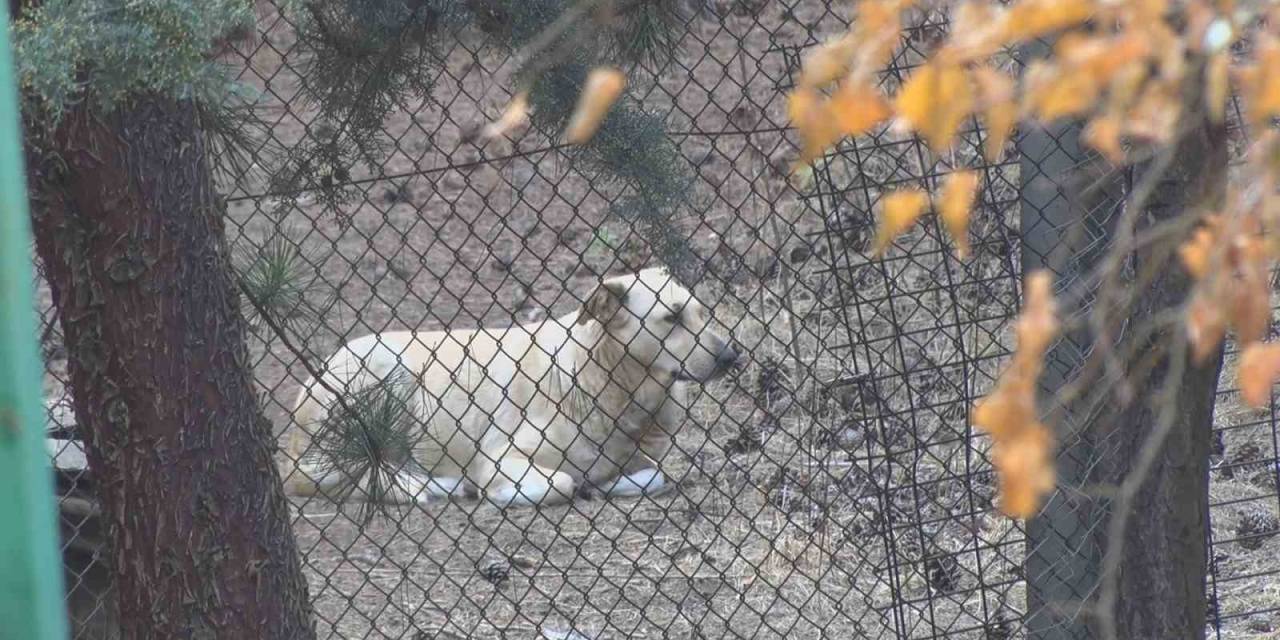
[(830, 489)]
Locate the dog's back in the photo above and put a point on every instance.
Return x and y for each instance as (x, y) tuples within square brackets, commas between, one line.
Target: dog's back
[(459, 383)]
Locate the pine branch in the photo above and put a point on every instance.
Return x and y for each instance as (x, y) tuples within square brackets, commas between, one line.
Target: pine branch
[(104, 51), (282, 278), (364, 434), (368, 58), (369, 440)]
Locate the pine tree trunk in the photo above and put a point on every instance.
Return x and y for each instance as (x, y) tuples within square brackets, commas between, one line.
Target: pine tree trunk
[(1162, 572), (1162, 566), (130, 232), (1070, 218)]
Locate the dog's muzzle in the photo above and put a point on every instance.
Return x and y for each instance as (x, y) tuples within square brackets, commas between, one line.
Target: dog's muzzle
[(727, 359)]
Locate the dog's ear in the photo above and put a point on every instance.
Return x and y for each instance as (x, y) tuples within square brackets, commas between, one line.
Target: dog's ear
[(604, 304)]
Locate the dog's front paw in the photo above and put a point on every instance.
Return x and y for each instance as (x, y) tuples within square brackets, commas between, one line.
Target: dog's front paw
[(422, 488), (534, 489), (645, 482)]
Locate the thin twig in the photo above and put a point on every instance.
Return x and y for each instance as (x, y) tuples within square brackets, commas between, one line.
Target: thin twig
[(1124, 236), (315, 374)]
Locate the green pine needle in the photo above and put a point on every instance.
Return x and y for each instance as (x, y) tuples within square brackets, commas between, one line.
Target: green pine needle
[(282, 279), (369, 438)]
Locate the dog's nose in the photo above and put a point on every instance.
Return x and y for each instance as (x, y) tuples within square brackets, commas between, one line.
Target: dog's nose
[(727, 358)]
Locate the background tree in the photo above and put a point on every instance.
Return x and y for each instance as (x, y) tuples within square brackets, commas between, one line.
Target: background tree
[(123, 107), (1184, 260)]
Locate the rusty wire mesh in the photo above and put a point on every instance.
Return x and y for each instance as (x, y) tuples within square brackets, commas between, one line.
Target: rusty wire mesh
[(831, 487)]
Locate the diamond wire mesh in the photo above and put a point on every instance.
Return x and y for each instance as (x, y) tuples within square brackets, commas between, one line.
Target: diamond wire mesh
[(1244, 495), (830, 487)]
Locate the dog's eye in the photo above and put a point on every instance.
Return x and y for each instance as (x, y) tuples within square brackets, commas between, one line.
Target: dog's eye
[(672, 317)]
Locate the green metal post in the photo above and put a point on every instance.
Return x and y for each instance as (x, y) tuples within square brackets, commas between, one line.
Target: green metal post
[(31, 585)]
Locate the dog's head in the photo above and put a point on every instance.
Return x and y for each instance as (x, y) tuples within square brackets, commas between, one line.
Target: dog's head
[(662, 325)]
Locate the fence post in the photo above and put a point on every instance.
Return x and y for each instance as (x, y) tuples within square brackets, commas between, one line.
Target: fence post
[(1067, 206), (31, 589)]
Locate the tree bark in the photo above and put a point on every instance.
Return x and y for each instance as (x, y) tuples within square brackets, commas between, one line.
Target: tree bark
[(131, 235), (1162, 568)]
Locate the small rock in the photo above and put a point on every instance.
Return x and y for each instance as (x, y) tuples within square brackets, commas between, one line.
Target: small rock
[(502, 263), (531, 315), (840, 438), (744, 116), (746, 442), (397, 194), (521, 297), (522, 562), (800, 254), (364, 558), (495, 571), (1268, 479), (944, 573), (999, 628)]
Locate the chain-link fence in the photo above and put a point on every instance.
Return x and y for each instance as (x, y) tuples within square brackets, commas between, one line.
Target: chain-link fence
[(829, 486)]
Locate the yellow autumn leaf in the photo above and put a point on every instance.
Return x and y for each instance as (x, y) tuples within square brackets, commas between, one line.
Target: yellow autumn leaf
[(1154, 117), (1260, 83), (1196, 252), (1024, 466), (1171, 60), (1103, 134), (899, 210), (934, 101), (999, 111), (1101, 57), (877, 28), (1217, 86), (1053, 92), (601, 90), (1004, 412), (826, 62), (957, 200), (1197, 16), (1249, 305), (978, 30), (1038, 322), (1022, 446), (810, 114), (857, 108), (1259, 368), (513, 116), (1206, 327), (1034, 18), (1144, 11), (801, 105), (1124, 87)]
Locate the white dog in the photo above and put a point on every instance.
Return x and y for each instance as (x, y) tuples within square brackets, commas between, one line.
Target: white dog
[(530, 414)]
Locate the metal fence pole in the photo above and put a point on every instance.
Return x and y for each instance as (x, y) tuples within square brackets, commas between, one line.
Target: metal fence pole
[(1068, 201), (31, 590)]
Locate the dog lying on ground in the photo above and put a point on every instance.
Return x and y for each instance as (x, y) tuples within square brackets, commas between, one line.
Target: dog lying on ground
[(533, 413)]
